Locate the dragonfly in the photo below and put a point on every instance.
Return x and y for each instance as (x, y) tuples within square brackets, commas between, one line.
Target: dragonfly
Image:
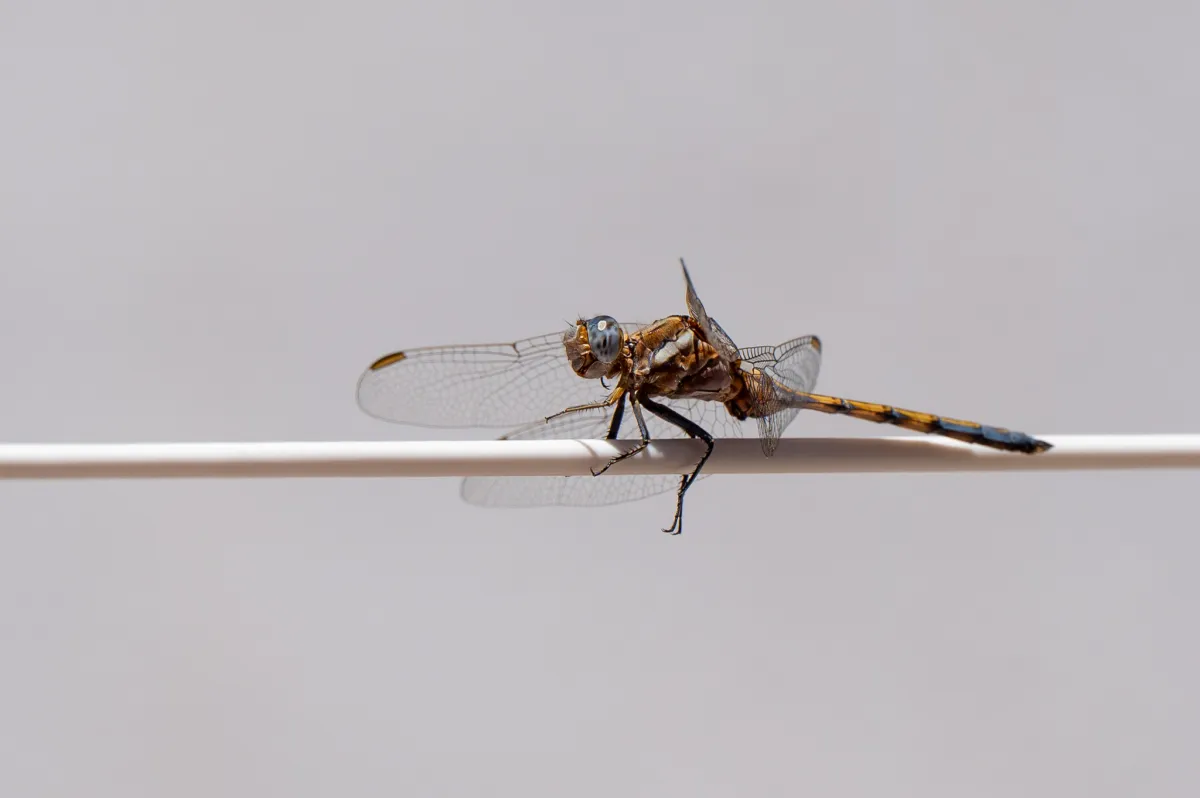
[(680, 376)]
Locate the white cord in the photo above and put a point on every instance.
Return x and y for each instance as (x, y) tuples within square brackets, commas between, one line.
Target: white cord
[(565, 457)]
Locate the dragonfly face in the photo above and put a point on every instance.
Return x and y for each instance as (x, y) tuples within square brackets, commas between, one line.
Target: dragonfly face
[(594, 347)]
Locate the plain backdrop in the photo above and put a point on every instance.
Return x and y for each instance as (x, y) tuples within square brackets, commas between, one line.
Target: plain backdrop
[(214, 215)]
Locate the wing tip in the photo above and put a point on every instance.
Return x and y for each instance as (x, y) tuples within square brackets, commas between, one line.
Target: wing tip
[(687, 277)]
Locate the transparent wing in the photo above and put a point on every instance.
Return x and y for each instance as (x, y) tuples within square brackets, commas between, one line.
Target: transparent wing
[(612, 487), (792, 366), (484, 385), (713, 331)]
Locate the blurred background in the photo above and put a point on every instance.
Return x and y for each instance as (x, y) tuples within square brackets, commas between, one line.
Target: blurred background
[(214, 215)]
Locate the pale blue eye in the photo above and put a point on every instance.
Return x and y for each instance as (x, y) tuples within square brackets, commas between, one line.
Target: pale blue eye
[(604, 338)]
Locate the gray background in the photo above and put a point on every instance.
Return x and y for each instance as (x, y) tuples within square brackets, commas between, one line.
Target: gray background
[(213, 216)]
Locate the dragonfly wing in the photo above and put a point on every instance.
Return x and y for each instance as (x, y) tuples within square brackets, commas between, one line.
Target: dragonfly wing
[(775, 370), (612, 487), (795, 363), (486, 385), (713, 331), (711, 416)]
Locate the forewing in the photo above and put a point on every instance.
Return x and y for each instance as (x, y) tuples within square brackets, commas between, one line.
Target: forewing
[(713, 331), (485, 385)]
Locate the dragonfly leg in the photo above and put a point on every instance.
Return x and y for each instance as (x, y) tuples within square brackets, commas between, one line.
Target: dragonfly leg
[(696, 431), (608, 402), (614, 428)]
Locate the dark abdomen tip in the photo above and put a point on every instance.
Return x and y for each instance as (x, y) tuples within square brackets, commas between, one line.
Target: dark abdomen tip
[(1013, 441)]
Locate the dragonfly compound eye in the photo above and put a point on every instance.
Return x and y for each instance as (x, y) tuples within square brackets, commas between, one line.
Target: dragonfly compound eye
[(604, 338)]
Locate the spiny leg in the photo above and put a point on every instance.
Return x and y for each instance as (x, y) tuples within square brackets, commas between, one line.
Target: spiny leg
[(696, 431), (615, 427), (608, 402)]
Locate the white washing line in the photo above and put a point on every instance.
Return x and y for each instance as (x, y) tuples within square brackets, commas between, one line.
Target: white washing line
[(565, 457)]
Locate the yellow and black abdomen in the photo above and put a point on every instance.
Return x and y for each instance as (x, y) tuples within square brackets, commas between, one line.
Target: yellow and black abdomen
[(966, 431)]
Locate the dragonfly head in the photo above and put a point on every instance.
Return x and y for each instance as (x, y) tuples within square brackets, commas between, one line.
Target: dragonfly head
[(594, 346)]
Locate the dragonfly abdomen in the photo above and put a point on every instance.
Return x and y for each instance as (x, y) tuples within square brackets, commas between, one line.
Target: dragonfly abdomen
[(966, 431)]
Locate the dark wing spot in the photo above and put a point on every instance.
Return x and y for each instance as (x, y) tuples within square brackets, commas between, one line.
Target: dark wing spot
[(387, 360)]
